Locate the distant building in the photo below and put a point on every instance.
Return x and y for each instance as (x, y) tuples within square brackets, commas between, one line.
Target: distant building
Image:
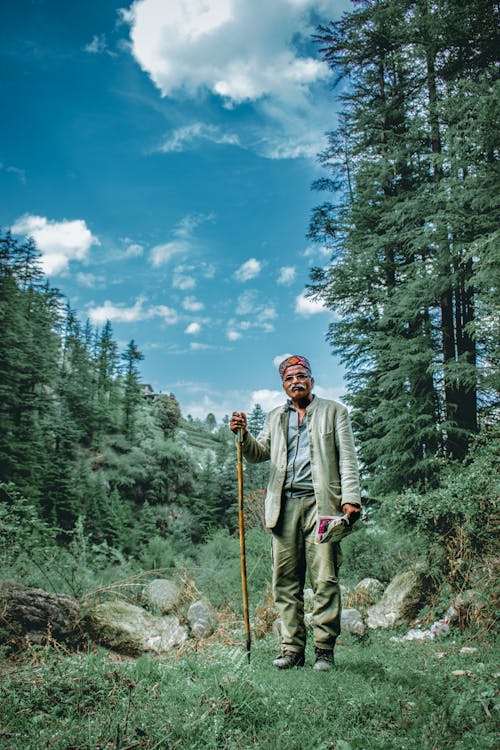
[(148, 393)]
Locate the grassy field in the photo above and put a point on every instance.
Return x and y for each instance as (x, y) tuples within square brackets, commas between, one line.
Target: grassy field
[(382, 696)]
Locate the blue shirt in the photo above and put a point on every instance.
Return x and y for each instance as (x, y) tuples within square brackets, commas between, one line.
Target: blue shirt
[(298, 480)]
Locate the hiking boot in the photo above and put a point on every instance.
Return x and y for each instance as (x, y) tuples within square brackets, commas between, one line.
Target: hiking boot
[(289, 659), (324, 659)]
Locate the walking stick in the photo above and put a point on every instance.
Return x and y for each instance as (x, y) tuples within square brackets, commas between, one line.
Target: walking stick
[(241, 523)]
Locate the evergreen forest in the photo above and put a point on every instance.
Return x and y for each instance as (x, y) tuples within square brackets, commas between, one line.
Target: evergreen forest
[(85, 445)]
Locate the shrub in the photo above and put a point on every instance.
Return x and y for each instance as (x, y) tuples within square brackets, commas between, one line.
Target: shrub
[(378, 551), (31, 552), (218, 570), (462, 510)]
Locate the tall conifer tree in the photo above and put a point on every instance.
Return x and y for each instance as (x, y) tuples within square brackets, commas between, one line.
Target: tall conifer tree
[(401, 275)]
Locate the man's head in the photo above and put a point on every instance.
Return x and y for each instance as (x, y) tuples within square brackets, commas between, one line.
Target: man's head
[(295, 372)]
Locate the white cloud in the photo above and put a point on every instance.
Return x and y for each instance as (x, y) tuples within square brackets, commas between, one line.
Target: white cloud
[(191, 304), (134, 250), (119, 313), (267, 398), (249, 270), (314, 251), (193, 329), (336, 394), (208, 270), (287, 275), (89, 280), (252, 51), (306, 307), (255, 313), (168, 314), (19, 173), (189, 135), (196, 346), (59, 242), (184, 241), (239, 49), (97, 45), (183, 281), (246, 303), (161, 254)]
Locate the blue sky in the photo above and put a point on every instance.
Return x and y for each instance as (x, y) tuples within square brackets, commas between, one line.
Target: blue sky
[(161, 154)]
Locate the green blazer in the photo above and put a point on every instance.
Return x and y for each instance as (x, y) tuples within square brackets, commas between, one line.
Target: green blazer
[(334, 466)]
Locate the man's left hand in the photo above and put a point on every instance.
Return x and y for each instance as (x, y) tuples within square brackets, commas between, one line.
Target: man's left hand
[(352, 512)]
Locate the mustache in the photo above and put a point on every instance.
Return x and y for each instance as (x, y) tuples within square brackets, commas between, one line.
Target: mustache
[(298, 387)]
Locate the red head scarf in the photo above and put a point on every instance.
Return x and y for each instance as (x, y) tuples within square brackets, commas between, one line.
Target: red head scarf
[(295, 359)]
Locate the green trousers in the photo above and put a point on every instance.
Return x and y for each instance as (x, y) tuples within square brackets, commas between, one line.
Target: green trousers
[(294, 550)]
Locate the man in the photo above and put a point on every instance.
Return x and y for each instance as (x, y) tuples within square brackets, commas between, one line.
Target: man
[(313, 473)]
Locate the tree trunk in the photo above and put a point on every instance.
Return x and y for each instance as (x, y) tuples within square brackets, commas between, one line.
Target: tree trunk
[(29, 615)]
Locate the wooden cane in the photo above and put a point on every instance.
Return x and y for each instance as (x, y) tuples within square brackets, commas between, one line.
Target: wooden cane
[(241, 523)]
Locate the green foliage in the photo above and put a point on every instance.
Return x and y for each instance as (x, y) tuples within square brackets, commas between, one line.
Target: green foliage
[(159, 553), (31, 551), (459, 522), (132, 388), (412, 230), (466, 500), (377, 551), (218, 569), (168, 413), (256, 420)]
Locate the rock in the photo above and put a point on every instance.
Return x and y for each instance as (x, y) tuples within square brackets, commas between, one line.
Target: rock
[(352, 622), (401, 600), (372, 586), (132, 630), (162, 593), (202, 619), (37, 616), (438, 629), (366, 593)]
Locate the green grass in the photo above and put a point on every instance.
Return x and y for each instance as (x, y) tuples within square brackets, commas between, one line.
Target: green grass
[(382, 696)]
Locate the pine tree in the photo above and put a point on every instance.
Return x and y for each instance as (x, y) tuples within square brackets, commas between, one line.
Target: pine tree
[(256, 420), (108, 392), (402, 276), (132, 388), (29, 352)]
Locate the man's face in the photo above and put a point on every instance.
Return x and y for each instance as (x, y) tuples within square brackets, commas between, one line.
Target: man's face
[(297, 383)]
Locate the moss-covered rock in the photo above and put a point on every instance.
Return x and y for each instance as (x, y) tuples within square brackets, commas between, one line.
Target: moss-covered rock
[(400, 601), (132, 630)]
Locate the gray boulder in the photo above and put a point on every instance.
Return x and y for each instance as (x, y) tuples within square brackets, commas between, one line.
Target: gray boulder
[(400, 601), (352, 622), (366, 593), (372, 586), (132, 630), (162, 593), (202, 619)]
